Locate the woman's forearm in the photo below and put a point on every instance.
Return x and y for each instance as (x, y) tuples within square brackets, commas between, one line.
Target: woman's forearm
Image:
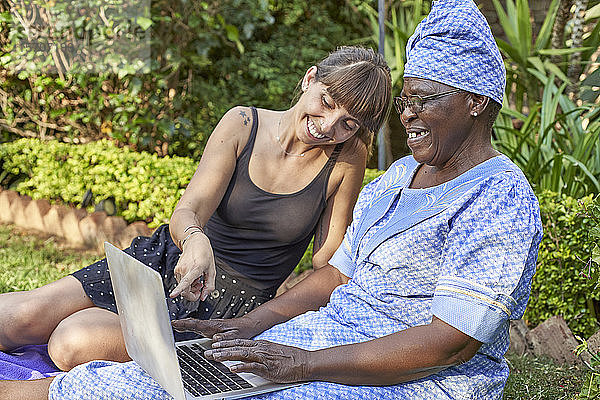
[(403, 356), (309, 295), (181, 219)]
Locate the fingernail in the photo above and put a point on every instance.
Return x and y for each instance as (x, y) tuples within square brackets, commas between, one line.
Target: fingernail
[(208, 353), (217, 337)]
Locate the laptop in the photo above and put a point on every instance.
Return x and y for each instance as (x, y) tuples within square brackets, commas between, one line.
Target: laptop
[(180, 368)]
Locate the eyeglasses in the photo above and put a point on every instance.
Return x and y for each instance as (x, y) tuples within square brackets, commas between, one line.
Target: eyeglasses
[(415, 102)]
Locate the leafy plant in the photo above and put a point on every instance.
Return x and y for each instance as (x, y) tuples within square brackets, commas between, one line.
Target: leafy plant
[(144, 186), (560, 285), (527, 58), (557, 144), (592, 213), (591, 386), (204, 57)]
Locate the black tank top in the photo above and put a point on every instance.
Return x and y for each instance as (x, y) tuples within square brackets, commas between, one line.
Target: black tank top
[(262, 235)]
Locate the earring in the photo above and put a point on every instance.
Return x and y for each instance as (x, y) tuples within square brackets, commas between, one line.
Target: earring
[(475, 114)]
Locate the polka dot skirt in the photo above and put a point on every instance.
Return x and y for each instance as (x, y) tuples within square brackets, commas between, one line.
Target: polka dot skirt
[(232, 297)]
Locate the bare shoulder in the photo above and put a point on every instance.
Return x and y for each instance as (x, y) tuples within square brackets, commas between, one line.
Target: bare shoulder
[(234, 127), (350, 167), (238, 118), (353, 157)]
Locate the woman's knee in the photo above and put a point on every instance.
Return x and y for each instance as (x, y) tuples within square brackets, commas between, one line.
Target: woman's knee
[(22, 318), (87, 335), (30, 317), (67, 345)]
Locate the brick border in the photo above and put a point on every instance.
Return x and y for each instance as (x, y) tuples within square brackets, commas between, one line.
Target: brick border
[(75, 225)]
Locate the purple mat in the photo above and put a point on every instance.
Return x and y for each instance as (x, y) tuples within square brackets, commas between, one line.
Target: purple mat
[(27, 362)]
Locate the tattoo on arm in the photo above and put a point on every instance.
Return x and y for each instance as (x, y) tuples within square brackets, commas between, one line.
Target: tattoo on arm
[(245, 117)]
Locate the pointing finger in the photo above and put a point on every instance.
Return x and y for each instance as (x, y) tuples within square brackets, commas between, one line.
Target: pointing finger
[(183, 287)]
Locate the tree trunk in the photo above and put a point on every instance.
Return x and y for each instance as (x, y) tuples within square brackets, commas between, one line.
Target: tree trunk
[(558, 30), (575, 68)]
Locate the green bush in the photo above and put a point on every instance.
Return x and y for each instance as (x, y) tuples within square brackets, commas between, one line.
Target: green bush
[(145, 187), (206, 56), (562, 284)]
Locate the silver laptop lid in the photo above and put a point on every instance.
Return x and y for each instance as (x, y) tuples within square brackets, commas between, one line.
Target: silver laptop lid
[(145, 319)]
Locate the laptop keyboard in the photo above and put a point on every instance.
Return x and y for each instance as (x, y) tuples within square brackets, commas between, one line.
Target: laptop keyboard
[(202, 377)]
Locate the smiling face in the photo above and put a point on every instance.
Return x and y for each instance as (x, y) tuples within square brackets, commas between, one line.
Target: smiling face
[(323, 120), (441, 132)]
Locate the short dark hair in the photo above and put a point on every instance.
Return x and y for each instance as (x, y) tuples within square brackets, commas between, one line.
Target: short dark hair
[(359, 79)]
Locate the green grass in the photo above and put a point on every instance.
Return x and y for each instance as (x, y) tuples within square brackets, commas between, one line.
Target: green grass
[(540, 379), (28, 261)]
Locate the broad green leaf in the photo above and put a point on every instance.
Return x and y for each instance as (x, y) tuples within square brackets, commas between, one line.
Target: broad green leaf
[(537, 63), (592, 13), (596, 254), (556, 173), (585, 170), (556, 71), (594, 233), (524, 27), (507, 25), (510, 51), (592, 41), (144, 22)]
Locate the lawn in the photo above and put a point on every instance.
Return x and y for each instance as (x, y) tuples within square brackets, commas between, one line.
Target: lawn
[(539, 379), (28, 261)]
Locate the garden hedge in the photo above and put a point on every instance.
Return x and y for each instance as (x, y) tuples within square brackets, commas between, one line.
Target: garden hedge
[(565, 281), (146, 187)]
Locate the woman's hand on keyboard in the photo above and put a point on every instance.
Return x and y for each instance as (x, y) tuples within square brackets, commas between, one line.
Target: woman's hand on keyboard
[(272, 361)]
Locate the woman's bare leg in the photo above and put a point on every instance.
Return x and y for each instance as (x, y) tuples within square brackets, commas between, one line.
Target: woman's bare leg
[(25, 390), (90, 334), (30, 317), (62, 315)]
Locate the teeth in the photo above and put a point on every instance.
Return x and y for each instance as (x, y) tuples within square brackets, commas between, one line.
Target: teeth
[(313, 130), (413, 135)]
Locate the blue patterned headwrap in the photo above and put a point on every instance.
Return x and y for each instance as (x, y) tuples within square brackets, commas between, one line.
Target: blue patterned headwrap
[(454, 45)]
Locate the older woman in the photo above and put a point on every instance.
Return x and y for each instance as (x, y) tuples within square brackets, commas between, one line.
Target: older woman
[(416, 302)]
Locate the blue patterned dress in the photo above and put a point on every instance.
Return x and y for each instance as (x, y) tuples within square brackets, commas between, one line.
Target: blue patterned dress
[(464, 251)]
